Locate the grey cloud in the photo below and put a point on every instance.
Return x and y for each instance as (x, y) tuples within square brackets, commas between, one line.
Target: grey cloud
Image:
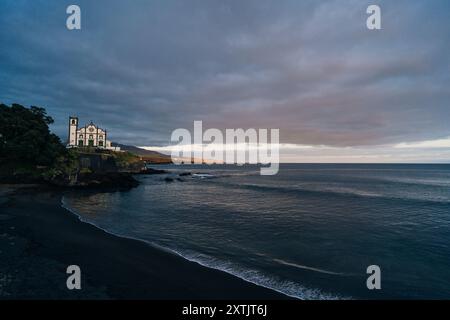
[(312, 69)]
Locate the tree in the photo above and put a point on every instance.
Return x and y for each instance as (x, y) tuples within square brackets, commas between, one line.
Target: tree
[(25, 138)]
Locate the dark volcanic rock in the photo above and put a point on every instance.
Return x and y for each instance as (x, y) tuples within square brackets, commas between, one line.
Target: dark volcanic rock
[(98, 180), (107, 181), (20, 179), (152, 171), (110, 180)]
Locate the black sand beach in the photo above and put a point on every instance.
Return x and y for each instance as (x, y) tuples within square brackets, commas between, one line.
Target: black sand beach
[(39, 239)]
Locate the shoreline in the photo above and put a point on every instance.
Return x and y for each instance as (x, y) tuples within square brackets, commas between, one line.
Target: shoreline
[(43, 238)]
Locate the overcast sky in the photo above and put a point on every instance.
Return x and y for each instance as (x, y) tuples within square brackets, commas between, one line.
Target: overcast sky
[(141, 69)]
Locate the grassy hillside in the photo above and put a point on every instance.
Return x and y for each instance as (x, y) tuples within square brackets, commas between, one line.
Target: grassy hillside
[(146, 155)]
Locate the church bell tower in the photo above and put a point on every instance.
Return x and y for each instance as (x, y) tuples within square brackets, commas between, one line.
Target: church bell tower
[(73, 127)]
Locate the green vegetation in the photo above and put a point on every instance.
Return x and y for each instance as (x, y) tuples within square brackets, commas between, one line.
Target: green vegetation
[(25, 139), (65, 167), (126, 159), (29, 152)]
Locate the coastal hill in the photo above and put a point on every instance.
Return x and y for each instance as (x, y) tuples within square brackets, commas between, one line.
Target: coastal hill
[(146, 155)]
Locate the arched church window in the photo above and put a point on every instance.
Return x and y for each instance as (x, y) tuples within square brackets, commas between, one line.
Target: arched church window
[(81, 136)]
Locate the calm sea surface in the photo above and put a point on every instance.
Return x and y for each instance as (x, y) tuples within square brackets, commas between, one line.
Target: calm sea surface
[(310, 232)]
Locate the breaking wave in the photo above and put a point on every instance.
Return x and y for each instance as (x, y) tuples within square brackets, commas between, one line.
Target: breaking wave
[(289, 288), (299, 266)]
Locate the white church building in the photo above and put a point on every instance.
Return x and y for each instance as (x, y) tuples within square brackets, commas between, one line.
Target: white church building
[(88, 136)]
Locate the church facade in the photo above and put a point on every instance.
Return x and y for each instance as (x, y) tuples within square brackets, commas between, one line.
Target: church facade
[(88, 136)]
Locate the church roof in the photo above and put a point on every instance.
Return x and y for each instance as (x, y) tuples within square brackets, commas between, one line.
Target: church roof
[(92, 124)]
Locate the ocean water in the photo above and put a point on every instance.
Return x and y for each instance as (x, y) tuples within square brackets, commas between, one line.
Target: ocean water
[(310, 232)]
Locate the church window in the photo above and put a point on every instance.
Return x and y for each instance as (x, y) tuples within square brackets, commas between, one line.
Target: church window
[(81, 136), (91, 136)]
